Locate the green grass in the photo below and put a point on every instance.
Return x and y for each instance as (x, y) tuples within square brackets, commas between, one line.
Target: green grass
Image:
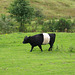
[(16, 58)]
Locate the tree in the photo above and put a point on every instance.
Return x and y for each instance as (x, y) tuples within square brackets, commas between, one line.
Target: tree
[(22, 12)]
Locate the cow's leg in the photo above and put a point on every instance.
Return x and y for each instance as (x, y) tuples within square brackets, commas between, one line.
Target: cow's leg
[(31, 48), (51, 45), (41, 48), (49, 49)]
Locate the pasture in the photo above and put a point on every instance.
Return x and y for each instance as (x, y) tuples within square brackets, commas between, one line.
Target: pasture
[(16, 58)]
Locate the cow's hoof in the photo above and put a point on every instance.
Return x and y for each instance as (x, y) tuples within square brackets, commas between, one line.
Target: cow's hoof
[(30, 51), (49, 50), (41, 51)]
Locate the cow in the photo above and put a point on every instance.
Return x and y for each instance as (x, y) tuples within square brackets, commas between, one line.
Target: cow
[(40, 39)]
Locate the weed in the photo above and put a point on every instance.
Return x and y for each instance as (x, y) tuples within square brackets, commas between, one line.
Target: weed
[(71, 49), (57, 48)]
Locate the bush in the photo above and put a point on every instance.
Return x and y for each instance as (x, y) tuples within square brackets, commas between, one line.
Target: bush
[(49, 26), (52, 25), (45, 27), (63, 24), (72, 26), (7, 24)]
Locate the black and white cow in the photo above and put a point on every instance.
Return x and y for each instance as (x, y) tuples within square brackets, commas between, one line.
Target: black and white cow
[(40, 39)]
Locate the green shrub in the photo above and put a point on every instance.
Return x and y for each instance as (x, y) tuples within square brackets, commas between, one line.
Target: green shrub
[(49, 26), (72, 26), (45, 27), (62, 24), (7, 25)]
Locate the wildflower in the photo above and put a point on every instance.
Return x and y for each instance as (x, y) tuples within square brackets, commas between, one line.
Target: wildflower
[(6, 33)]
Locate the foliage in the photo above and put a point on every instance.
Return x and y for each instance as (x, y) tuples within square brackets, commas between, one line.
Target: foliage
[(7, 24), (72, 27), (73, 22), (52, 26), (45, 27), (39, 21), (49, 26), (62, 24), (22, 11), (39, 18)]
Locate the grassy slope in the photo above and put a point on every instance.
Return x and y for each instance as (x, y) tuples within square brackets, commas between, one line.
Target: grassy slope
[(55, 8), (15, 58), (4, 4), (49, 8)]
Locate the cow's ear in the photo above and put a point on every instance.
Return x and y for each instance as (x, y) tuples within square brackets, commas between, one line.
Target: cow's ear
[(29, 37)]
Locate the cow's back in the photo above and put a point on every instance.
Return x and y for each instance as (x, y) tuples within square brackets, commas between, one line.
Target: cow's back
[(36, 39)]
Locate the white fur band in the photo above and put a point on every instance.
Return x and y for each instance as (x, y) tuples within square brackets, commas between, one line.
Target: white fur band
[(46, 38)]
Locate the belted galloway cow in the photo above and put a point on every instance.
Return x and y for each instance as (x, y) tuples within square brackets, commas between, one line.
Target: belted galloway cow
[(40, 39)]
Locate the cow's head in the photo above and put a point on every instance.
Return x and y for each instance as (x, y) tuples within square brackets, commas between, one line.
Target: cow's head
[(25, 40)]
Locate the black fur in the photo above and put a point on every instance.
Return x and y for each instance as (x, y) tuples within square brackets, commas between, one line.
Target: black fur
[(37, 40)]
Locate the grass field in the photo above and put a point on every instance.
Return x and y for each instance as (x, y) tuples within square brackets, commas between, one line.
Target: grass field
[(16, 58)]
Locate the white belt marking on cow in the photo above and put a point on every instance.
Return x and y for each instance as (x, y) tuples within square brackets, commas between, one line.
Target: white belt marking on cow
[(46, 38)]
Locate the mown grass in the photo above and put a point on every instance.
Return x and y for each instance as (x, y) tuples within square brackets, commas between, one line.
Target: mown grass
[(16, 58)]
